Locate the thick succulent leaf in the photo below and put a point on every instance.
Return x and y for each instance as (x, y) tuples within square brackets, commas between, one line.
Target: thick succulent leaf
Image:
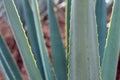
[(8, 63), (32, 35), (44, 55), (22, 41), (58, 51), (84, 51), (67, 26), (4, 71), (101, 26), (68, 20), (111, 55), (5, 68)]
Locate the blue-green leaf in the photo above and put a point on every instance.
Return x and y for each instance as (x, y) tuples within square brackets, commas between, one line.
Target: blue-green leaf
[(58, 51), (111, 54), (84, 51), (44, 55), (22, 42), (8, 63), (67, 26), (32, 35), (101, 26), (4, 70)]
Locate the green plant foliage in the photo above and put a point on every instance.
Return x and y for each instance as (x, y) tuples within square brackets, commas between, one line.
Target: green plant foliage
[(58, 52), (83, 41), (44, 55), (22, 41), (8, 63), (111, 54), (101, 26), (67, 26), (85, 37), (7, 72), (68, 18), (32, 35), (4, 70)]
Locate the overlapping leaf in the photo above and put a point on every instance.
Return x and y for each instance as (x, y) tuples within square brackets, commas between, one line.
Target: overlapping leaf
[(58, 51), (111, 54), (22, 41), (44, 55), (8, 63), (101, 14), (32, 35)]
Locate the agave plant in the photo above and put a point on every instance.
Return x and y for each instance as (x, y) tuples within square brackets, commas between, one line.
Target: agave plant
[(90, 53)]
